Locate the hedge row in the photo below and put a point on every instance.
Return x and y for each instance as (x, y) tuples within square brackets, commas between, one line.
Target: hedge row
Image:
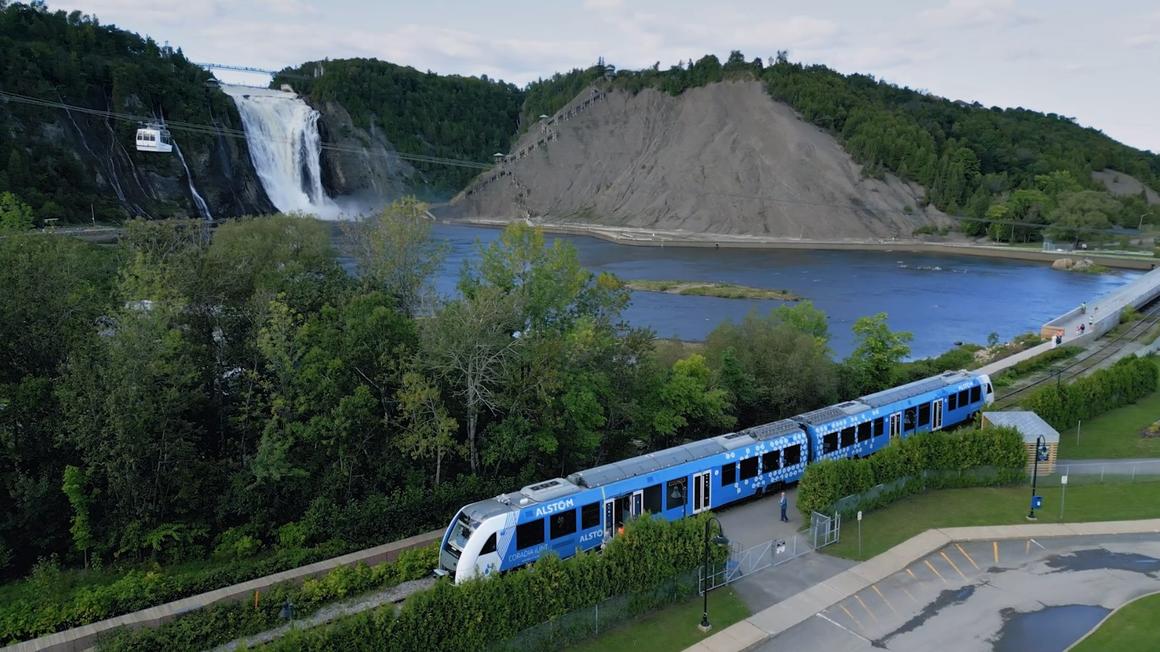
[(222, 623), (1127, 381), (325, 531), (825, 482), (478, 614)]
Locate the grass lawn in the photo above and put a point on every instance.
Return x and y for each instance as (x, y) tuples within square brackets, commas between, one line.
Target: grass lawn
[(889, 526), (671, 629), (1133, 627), (1115, 433)]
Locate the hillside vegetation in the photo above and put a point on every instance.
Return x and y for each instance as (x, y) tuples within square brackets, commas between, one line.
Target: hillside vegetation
[(421, 113), (73, 166)]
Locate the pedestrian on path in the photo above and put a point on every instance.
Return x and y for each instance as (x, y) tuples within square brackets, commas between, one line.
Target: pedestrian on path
[(784, 504)]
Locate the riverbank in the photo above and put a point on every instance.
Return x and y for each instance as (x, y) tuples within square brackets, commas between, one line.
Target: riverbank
[(703, 289), (659, 238)]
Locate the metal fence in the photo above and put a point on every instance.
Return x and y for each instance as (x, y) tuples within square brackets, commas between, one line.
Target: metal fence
[(577, 626), (744, 562), (1102, 472), (824, 529)]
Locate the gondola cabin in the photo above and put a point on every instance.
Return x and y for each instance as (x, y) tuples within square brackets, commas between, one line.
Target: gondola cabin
[(154, 138)]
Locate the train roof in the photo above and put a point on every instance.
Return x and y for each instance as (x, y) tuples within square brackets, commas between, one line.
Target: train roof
[(646, 463), (832, 413), (909, 390)]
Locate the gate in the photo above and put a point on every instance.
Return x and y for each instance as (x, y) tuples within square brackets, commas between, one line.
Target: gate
[(825, 530), (751, 560)]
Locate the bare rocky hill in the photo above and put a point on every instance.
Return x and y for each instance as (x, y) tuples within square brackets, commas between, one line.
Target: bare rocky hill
[(1121, 184), (724, 159)]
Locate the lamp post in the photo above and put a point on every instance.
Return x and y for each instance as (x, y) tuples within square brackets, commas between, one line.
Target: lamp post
[(721, 541), (1040, 454)]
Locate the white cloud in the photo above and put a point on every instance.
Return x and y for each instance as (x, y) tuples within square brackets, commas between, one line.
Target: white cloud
[(976, 13), (603, 5), (137, 15)]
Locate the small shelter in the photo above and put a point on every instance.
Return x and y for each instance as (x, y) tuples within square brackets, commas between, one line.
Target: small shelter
[(1031, 427)]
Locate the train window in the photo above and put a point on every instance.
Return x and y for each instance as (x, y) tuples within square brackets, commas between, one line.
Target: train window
[(771, 461), (830, 443), (677, 491), (488, 546), (924, 414), (563, 524), (864, 431), (793, 455), (953, 402), (589, 516), (728, 474), (530, 534), (652, 499), (964, 398), (976, 393), (847, 436), (879, 427), (749, 468), (908, 419)]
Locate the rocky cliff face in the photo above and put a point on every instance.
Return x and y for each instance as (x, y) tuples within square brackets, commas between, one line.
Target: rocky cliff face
[(724, 158), (360, 163), (127, 183)]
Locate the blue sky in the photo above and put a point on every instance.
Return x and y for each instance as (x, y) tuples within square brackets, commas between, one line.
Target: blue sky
[(1096, 61)]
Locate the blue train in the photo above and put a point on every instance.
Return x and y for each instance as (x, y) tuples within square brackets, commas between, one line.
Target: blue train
[(565, 516)]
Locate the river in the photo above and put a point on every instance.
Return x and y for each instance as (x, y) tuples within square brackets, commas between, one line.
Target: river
[(939, 298)]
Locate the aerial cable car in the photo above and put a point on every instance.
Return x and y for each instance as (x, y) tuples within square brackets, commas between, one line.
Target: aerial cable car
[(153, 137)]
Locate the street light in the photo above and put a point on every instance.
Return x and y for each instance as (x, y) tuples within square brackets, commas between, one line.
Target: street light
[(721, 541), (1040, 455)]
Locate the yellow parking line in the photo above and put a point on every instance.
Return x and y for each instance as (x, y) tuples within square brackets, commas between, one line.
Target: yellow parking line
[(875, 587), (911, 573), (909, 594), (856, 621), (1027, 547), (859, 599), (995, 547), (967, 556), (944, 556), (934, 570)]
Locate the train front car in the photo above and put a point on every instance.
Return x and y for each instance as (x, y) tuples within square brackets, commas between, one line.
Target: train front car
[(469, 546), (988, 389)]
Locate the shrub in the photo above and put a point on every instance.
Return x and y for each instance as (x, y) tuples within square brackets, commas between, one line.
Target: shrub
[(951, 456), (1127, 381), (477, 614)]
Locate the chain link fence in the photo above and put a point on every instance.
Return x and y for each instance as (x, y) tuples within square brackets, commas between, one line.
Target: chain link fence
[(888, 492), (583, 624), (1102, 472)]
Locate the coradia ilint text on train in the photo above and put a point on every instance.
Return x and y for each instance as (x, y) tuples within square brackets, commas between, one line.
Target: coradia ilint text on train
[(565, 516)]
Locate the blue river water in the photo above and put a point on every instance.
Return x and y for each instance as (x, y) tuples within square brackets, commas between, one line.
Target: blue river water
[(939, 298)]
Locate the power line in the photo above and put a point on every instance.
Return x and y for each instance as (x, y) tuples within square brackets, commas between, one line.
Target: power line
[(229, 132)]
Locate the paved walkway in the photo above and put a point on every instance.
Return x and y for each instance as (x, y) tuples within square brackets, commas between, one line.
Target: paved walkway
[(781, 617)]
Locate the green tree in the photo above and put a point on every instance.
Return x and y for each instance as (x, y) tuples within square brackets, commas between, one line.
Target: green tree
[(396, 253), (879, 353), (1082, 215), (690, 404), (78, 498), (428, 431), (15, 215)]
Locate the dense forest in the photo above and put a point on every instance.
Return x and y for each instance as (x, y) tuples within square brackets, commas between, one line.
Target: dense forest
[(233, 393), (446, 116), (73, 166)]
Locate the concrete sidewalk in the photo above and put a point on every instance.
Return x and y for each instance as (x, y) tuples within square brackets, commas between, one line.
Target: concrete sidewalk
[(766, 624)]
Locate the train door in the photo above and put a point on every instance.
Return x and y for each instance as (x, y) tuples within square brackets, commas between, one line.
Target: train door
[(936, 418), (701, 483), (609, 519), (636, 506), (895, 425)]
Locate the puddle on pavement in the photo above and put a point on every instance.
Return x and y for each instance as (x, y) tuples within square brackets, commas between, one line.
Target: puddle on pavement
[(1101, 559), (1050, 629), (945, 599)]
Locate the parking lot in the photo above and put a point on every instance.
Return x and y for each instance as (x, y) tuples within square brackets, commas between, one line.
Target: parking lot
[(1024, 595)]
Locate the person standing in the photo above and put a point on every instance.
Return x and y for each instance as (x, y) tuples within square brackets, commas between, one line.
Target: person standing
[(783, 503)]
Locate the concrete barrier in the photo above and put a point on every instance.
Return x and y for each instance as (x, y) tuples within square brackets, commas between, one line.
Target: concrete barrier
[(85, 636)]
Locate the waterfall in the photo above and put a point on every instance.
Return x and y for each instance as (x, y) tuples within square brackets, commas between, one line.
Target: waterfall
[(282, 134), (202, 207)]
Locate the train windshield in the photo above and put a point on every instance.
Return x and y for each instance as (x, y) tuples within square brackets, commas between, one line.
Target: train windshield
[(461, 532)]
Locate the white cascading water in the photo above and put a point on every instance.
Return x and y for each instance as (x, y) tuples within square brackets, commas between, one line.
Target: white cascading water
[(202, 207), (282, 134)]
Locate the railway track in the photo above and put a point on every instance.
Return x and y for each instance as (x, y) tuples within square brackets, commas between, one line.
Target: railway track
[(1092, 357)]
